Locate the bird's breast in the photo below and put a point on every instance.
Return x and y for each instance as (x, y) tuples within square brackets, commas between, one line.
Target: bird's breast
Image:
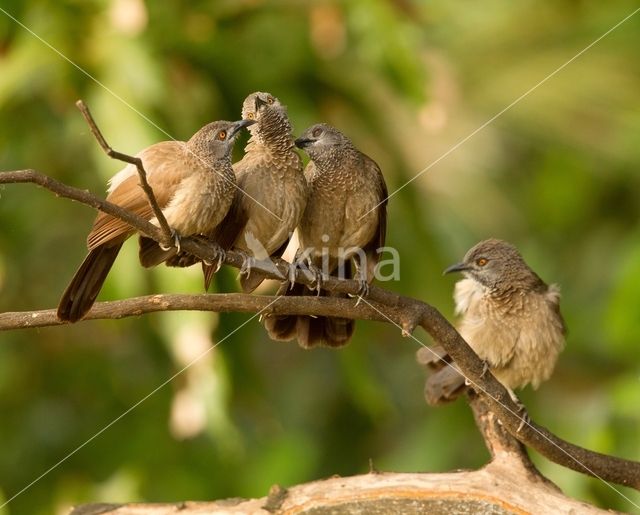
[(200, 202)]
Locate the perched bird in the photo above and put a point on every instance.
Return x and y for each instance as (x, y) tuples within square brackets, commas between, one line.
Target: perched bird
[(194, 185), (272, 190), (510, 318), (341, 230)]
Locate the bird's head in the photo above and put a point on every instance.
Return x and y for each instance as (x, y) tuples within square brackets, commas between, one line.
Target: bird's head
[(495, 263), (321, 140), (217, 138), (269, 113)]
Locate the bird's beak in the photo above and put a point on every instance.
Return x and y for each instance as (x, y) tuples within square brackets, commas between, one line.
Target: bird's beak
[(458, 267), (260, 103), (303, 142), (239, 125)]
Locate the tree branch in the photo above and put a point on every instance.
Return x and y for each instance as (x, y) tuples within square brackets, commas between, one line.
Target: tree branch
[(497, 488), (382, 305), (219, 303), (501, 444)]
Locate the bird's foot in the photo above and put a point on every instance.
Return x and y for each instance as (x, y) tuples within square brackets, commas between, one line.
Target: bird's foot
[(176, 242), (317, 277), (291, 274), (524, 420), (363, 290), (520, 410), (248, 262), (305, 264), (294, 266), (485, 369), (218, 255)]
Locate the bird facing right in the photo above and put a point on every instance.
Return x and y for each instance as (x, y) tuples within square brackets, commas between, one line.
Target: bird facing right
[(193, 183), (510, 318)]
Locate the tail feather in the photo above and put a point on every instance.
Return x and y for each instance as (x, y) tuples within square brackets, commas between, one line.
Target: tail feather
[(445, 383), (310, 331), (151, 254), (283, 327), (252, 281), (208, 272), (323, 331), (83, 290), (338, 331)]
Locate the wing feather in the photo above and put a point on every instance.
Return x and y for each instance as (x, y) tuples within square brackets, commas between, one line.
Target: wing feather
[(164, 163)]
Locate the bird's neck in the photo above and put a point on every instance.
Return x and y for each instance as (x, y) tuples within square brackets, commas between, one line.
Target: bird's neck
[(272, 134), (511, 286), (335, 157), (205, 155), (202, 150)]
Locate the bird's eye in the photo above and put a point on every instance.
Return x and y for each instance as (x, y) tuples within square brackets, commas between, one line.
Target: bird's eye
[(271, 100), (316, 132), (481, 261), (222, 135), (250, 116)]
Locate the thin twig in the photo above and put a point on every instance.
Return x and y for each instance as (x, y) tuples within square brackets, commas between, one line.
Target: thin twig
[(162, 221)]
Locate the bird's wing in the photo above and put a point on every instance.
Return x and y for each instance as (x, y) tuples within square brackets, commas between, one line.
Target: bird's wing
[(379, 236), (310, 171), (165, 166), (227, 231), (382, 207), (553, 297), (261, 223)]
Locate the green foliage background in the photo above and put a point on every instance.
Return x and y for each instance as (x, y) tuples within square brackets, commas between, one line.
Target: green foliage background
[(557, 175)]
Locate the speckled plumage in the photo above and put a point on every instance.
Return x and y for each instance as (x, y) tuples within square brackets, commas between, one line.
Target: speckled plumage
[(272, 191), (509, 317), (193, 183), (345, 220)]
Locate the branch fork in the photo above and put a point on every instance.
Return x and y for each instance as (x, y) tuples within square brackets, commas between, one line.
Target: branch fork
[(170, 238)]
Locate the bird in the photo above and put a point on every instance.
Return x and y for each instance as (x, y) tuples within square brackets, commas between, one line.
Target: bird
[(509, 316), (272, 190), (340, 233), (193, 183)]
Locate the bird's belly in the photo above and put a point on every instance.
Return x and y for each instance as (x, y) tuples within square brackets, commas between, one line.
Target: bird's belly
[(197, 208), (518, 353)]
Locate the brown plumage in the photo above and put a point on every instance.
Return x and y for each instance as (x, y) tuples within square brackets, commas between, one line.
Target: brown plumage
[(510, 318), (194, 185), (272, 190), (341, 230)]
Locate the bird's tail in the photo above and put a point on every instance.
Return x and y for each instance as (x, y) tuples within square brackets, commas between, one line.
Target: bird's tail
[(309, 330), (152, 254), (445, 382), (81, 293)]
